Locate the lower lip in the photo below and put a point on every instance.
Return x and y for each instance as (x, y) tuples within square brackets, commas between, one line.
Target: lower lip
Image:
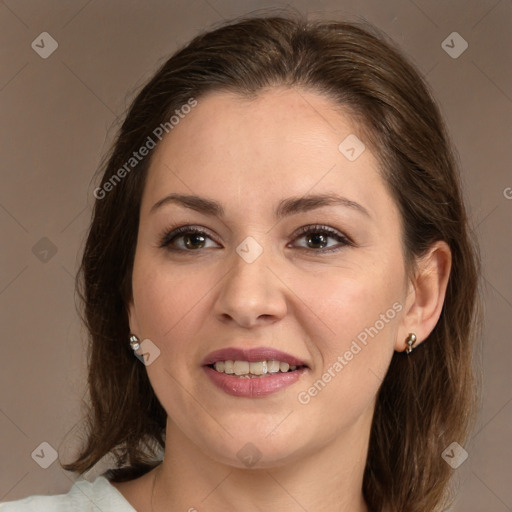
[(253, 387)]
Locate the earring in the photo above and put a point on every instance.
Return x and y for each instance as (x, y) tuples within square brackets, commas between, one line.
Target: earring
[(134, 342), (411, 340)]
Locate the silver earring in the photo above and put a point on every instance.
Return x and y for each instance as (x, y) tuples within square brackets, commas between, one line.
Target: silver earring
[(411, 340), (134, 342)]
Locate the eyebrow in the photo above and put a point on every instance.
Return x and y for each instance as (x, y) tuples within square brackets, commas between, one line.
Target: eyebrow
[(286, 207)]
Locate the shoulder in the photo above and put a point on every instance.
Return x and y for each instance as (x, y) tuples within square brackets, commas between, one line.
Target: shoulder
[(83, 496)]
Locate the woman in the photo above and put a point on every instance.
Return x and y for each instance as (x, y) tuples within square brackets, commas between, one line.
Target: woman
[(279, 238)]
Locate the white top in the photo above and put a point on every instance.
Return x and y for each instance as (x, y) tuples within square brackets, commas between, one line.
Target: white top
[(84, 496)]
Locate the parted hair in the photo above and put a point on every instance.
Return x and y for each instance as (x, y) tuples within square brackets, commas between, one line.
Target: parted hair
[(428, 399)]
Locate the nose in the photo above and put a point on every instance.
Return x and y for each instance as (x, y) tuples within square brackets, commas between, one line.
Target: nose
[(251, 294)]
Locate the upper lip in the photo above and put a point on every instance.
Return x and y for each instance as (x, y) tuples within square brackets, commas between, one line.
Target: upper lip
[(252, 355)]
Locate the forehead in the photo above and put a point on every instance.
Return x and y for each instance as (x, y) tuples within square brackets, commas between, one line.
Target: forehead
[(278, 120), (285, 141)]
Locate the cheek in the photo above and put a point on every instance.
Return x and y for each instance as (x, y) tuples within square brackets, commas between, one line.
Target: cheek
[(170, 312), (355, 338), (342, 307), (168, 301)]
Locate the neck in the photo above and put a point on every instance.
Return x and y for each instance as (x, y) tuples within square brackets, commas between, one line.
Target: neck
[(329, 479)]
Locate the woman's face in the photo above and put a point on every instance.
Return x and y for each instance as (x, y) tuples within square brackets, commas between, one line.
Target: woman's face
[(254, 286)]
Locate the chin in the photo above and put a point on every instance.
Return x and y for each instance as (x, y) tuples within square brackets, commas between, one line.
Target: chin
[(255, 449)]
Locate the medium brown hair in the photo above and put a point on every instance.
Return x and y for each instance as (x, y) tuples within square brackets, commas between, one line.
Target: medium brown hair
[(427, 399)]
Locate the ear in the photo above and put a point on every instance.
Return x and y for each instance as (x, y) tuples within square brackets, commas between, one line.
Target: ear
[(132, 317), (425, 295)]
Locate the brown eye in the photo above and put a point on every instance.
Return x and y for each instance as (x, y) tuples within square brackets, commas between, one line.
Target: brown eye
[(185, 238), (193, 240), (317, 239)]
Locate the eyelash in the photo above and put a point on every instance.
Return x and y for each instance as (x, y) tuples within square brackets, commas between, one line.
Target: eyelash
[(169, 235)]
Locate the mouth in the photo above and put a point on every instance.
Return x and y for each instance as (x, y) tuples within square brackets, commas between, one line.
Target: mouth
[(255, 369), (253, 372)]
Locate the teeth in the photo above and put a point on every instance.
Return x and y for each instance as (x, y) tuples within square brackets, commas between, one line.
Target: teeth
[(273, 366), (245, 369), (241, 367), (256, 368)]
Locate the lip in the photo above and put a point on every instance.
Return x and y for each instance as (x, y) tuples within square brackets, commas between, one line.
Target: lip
[(252, 355), (258, 386), (255, 387)]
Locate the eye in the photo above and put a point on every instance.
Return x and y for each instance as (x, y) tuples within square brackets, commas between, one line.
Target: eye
[(318, 235), (192, 239)]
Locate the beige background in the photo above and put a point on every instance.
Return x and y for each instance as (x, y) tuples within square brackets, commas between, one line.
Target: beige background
[(58, 116)]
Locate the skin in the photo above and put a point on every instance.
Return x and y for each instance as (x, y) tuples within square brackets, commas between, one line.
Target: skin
[(248, 155)]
